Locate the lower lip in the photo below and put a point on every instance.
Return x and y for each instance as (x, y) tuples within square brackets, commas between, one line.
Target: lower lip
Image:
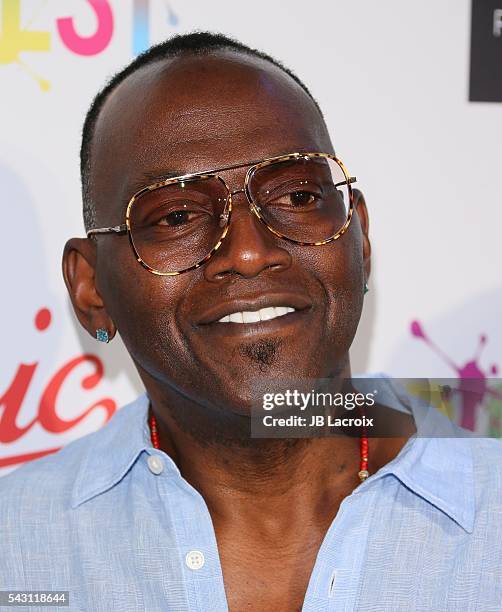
[(257, 328)]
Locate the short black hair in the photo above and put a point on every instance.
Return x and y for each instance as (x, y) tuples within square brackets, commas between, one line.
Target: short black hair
[(195, 43)]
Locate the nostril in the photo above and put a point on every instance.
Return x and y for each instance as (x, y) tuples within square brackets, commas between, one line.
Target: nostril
[(224, 274)]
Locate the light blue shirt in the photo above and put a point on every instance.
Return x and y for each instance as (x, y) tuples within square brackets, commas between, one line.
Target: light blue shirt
[(110, 519)]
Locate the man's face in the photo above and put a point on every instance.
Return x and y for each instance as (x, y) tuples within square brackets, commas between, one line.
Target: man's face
[(193, 114)]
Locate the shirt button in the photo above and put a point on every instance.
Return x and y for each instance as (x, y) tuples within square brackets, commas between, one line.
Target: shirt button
[(155, 464), (194, 559)]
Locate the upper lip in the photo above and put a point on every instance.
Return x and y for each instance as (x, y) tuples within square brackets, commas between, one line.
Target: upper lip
[(222, 309)]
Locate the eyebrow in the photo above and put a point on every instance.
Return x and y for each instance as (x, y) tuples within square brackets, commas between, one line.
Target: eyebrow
[(144, 179), (147, 178)]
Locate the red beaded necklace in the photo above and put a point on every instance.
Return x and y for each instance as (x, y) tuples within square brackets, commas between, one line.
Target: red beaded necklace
[(153, 431), (363, 465), (364, 450)]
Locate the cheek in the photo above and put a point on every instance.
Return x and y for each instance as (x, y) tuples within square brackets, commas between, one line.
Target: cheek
[(143, 307), (338, 265), (338, 269)]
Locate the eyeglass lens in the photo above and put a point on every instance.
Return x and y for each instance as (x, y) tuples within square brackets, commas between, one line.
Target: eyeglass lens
[(176, 226)]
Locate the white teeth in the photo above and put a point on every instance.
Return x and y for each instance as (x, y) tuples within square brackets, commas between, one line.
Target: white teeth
[(280, 311), (267, 313), (250, 317), (264, 314)]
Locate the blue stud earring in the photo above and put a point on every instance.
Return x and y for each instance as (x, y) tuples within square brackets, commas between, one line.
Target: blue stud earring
[(102, 335), (366, 288)]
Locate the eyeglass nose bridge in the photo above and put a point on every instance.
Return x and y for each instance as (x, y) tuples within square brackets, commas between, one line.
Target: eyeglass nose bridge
[(241, 190), (226, 214)]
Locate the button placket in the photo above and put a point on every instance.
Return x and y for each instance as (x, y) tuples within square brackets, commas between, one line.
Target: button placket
[(335, 580), (196, 542)]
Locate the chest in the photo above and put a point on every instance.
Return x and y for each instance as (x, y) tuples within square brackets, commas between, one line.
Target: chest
[(387, 549), (258, 577)]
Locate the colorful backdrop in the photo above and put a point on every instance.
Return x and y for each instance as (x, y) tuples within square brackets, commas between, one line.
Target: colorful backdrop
[(393, 78)]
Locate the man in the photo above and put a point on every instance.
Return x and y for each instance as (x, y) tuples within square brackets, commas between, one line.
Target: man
[(214, 294)]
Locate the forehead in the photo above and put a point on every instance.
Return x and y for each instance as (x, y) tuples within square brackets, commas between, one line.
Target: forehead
[(195, 113)]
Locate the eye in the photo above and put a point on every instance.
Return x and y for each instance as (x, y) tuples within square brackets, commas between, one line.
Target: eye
[(177, 217), (302, 198)]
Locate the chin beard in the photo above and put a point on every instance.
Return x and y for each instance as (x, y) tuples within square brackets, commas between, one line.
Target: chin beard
[(262, 353)]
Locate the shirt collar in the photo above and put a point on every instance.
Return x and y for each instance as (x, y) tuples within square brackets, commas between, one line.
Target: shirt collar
[(436, 463), (112, 450)]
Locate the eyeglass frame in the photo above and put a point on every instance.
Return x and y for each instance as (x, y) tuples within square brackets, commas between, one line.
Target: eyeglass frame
[(226, 216)]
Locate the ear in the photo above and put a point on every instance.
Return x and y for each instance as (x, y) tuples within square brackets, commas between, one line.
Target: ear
[(362, 212), (79, 272)]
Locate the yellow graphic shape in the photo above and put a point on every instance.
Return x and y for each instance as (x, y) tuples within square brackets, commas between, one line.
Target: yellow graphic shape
[(432, 394), (14, 40)]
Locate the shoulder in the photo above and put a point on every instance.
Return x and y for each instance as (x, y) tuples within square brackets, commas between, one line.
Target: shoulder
[(38, 501), (46, 484), (487, 469), (35, 511), (45, 481)]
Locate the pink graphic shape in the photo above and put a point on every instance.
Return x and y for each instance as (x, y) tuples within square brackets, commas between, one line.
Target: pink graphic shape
[(417, 331), (97, 42), (473, 385)]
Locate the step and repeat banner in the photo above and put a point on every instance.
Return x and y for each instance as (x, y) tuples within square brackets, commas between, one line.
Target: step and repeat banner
[(412, 93)]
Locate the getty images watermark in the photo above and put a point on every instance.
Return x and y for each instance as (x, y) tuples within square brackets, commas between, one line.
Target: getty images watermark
[(381, 406), (300, 409), (295, 399)]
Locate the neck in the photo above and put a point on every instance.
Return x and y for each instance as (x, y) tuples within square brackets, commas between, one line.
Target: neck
[(246, 476), (275, 474)]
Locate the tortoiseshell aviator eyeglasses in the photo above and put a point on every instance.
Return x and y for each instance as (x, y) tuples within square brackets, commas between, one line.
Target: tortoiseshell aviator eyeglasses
[(177, 224)]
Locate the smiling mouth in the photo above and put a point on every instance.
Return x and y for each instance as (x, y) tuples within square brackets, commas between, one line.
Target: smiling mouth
[(255, 316), (262, 312)]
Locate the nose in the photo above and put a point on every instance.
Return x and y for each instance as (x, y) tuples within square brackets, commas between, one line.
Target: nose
[(249, 247)]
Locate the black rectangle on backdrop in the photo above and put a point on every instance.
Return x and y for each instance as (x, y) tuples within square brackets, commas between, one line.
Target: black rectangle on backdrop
[(486, 51)]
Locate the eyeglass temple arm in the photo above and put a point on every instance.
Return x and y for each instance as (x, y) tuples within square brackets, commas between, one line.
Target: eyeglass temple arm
[(116, 229), (352, 179)]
